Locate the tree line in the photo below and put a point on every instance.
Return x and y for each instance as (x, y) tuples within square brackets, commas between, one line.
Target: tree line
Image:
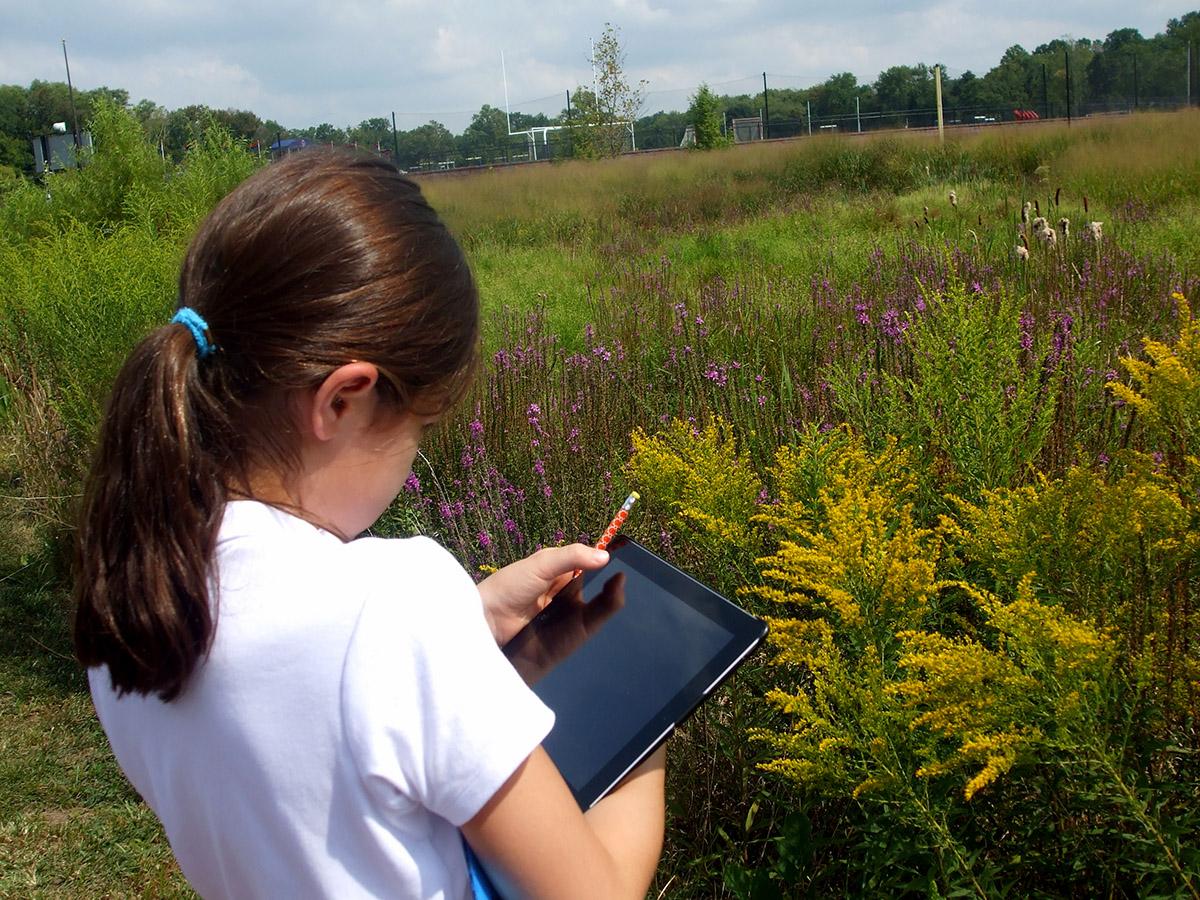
[(1066, 76)]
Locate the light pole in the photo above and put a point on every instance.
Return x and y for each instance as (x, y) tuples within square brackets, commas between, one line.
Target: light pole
[(71, 94)]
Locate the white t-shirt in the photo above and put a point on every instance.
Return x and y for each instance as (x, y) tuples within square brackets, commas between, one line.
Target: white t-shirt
[(353, 712)]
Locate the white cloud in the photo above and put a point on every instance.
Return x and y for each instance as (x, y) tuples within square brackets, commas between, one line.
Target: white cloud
[(307, 61)]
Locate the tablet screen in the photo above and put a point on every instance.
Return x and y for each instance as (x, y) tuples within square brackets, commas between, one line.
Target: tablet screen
[(622, 656)]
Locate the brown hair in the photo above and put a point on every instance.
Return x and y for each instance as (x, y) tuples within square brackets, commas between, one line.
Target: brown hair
[(314, 262)]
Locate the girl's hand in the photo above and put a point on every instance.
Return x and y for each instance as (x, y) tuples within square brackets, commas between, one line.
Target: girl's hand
[(518, 592)]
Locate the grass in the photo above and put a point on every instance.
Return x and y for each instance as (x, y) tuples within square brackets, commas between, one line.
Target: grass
[(70, 825), (593, 275)]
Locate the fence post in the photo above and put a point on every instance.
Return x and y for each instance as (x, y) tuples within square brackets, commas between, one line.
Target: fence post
[(937, 89), (766, 110)]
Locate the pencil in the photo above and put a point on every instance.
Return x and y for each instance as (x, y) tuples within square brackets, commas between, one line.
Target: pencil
[(618, 520), (615, 525)]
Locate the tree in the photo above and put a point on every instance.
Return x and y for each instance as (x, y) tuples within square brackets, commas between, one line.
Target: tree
[(487, 135), (604, 116), (705, 115)]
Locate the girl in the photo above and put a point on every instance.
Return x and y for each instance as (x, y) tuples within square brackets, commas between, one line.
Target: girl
[(311, 715)]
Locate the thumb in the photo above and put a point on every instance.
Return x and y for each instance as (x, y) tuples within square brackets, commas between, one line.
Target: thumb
[(557, 560)]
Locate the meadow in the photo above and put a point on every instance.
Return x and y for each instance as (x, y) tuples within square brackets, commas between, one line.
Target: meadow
[(960, 478)]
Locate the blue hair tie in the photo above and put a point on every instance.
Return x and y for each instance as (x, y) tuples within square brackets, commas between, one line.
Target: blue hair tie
[(194, 322)]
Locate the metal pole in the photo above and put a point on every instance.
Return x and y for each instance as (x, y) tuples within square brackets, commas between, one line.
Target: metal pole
[(766, 110), (1067, 57), (504, 78), (858, 113), (1135, 84), (71, 94), (570, 139), (395, 141), (1189, 73), (937, 89), (1045, 95)]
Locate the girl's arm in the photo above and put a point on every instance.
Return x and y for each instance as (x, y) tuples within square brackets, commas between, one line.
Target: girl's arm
[(539, 845)]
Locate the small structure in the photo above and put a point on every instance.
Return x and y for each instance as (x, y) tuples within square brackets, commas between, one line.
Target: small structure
[(281, 147), (748, 129), (57, 151)]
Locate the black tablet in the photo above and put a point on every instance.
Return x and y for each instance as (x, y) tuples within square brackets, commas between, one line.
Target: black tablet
[(622, 656)]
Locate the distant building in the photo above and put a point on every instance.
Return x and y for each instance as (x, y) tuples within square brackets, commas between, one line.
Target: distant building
[(55, 152), (284, 146)]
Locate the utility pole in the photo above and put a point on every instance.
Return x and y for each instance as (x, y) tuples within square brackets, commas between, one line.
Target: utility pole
[(808, 107), (1135, 84), (395, 141), (1045, 95), (858, 113), (766, 110), (1067, 57), (1189, 73), (75, 115)]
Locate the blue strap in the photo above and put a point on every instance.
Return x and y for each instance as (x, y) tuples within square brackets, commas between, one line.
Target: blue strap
[(481, 886), (195, 323)]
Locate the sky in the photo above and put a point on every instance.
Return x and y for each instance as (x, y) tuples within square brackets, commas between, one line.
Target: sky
[(343, 61)]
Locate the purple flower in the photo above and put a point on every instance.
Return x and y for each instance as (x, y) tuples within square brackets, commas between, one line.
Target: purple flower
[(1026, 323), (476, 428), (539, 467), (412, 483), (510, 526), (485, 539)]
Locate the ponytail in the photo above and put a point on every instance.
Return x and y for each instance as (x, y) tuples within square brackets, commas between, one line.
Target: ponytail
[(152, 506), (312, 262)]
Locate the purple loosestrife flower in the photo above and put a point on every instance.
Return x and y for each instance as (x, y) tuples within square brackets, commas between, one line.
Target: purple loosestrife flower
[(485, 539), (862, 314), (1026, 323), (412, 483), (892, 325), (476, 428), (539, 467)]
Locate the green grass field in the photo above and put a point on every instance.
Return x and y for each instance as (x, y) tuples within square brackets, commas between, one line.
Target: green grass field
[(845, 400)]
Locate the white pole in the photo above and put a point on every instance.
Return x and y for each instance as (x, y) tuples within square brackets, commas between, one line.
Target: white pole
[(504, 76), (808, 106), (858, 113)]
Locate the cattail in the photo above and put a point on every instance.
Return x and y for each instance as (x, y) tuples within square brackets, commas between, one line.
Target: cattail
[(1039, 224), (1025, 208), (1021, 252), (1057, 193), (1037, 209), (954, 199), (1049, 237), (1094, 232), (1064, 225), (1085, 209)]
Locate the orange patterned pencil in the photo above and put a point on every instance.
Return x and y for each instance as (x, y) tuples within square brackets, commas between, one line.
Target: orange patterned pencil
[(618, 520), (615, 525)]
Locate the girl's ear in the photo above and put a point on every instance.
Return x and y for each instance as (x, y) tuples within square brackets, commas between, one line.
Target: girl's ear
[(346, 396)]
